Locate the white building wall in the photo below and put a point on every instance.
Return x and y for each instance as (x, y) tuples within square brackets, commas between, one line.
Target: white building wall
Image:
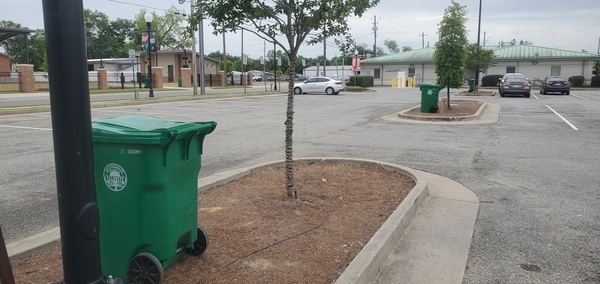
[(424, 73), (543, 69)]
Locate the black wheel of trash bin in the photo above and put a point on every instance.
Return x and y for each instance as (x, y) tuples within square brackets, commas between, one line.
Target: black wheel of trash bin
[(200, 244), (146, 268)]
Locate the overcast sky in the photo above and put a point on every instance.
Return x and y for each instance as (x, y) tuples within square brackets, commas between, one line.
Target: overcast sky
[(571, 25)]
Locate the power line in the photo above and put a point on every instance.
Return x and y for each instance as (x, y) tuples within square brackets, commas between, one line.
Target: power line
[(138, 5)]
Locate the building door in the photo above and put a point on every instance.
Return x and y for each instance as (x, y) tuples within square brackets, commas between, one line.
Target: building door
[(170, 73)]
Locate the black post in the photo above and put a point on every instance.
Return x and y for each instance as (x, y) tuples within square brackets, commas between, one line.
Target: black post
[(476, 87), (72, 137), (6, 275), (275, 64), (122, 81), (151, 95)]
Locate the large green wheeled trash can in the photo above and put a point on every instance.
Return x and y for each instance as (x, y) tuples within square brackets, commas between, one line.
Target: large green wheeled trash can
[(429, 97), (471, 85), (146, 173)]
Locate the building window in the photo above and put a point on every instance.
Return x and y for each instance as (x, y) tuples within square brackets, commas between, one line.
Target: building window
[(511, 69), (377, 73), (555, 71)]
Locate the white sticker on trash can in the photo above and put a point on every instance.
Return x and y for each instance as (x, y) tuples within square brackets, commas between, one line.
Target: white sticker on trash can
[(115, 177), (430, 92)]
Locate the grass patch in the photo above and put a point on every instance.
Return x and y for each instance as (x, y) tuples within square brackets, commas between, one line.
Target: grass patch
[(357, 89)]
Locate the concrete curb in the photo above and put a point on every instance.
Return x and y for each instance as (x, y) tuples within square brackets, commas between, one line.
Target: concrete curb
[(364, 267), (403, 115)]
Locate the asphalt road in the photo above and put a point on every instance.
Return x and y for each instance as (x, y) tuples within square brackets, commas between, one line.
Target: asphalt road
[(535, 170)]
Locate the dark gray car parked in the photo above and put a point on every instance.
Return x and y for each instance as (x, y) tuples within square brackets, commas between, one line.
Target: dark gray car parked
[(514, 83), (555, 84)]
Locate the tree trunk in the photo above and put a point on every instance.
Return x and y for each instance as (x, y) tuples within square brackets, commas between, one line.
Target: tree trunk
[(289, 129), (448, 96)]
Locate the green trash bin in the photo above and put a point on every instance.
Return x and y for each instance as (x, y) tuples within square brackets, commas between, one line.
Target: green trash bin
[(147, 192), (179, 82), (146, 82), (471, 85), (429, 97)]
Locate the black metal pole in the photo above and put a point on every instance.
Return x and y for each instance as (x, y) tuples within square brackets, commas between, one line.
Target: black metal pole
[(476, 87), (6, 275), (275, 64), (151, 95), (72, 136)]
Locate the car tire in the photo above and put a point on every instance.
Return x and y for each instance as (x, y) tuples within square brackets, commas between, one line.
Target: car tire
[(541, 90), (527, 95), (568, 93), (501, 94), (329, 91), (297, 91)]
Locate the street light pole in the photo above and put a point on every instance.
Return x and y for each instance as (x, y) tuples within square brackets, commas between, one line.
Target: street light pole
[(478, 47), (355, 64), (148, 18), (275, 65)]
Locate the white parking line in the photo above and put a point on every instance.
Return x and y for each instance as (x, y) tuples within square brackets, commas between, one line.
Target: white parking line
[(535, 96), (24, 127), (580, 97), (572, 126)]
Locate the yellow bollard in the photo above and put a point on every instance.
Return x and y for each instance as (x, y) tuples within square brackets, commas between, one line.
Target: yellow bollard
[(394, 82)]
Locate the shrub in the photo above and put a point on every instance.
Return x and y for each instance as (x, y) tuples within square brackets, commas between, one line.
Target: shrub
[(490, 80), (361, 80), (596, 81), (577, 81)]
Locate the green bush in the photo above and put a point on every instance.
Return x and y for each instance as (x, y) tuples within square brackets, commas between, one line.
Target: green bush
[(596, 81), (577, 81), (490, 80), (361, 80)]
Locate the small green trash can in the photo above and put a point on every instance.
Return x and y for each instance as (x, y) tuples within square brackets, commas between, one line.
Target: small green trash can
[(146, 82), (147, 192), (471, 85), (429, 97), (179, 82)]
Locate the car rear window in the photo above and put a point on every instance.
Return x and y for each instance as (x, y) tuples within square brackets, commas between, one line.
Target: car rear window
[(516, 79), (554, 79)]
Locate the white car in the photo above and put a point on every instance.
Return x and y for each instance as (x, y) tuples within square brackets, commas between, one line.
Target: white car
[(320, 85)]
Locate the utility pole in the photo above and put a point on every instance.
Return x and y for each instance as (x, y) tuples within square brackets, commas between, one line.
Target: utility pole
[(201, 52), (375, 38), (275, 65), (224, 58), (484, 38), (422, 35), (324, 55), (478, 47), (194, 64)]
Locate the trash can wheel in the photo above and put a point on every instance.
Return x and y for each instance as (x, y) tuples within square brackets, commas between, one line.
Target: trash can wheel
[(200, 244), (146, 268)]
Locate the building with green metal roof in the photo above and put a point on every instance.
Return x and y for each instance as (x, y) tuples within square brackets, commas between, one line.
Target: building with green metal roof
[(535, 62)]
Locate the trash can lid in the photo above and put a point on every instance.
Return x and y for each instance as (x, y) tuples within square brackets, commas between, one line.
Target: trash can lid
[(137, 129)]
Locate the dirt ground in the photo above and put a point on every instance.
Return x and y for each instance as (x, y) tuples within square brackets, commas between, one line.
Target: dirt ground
[(259, 235), (458, 108)]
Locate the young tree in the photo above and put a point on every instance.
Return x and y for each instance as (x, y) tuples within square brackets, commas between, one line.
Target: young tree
[(479, 58), (450, 53), (292, 19), (406, 48), (392, 45), (170, 29)]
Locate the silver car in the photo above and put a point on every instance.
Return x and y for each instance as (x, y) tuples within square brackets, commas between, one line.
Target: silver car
[(319, 85)]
